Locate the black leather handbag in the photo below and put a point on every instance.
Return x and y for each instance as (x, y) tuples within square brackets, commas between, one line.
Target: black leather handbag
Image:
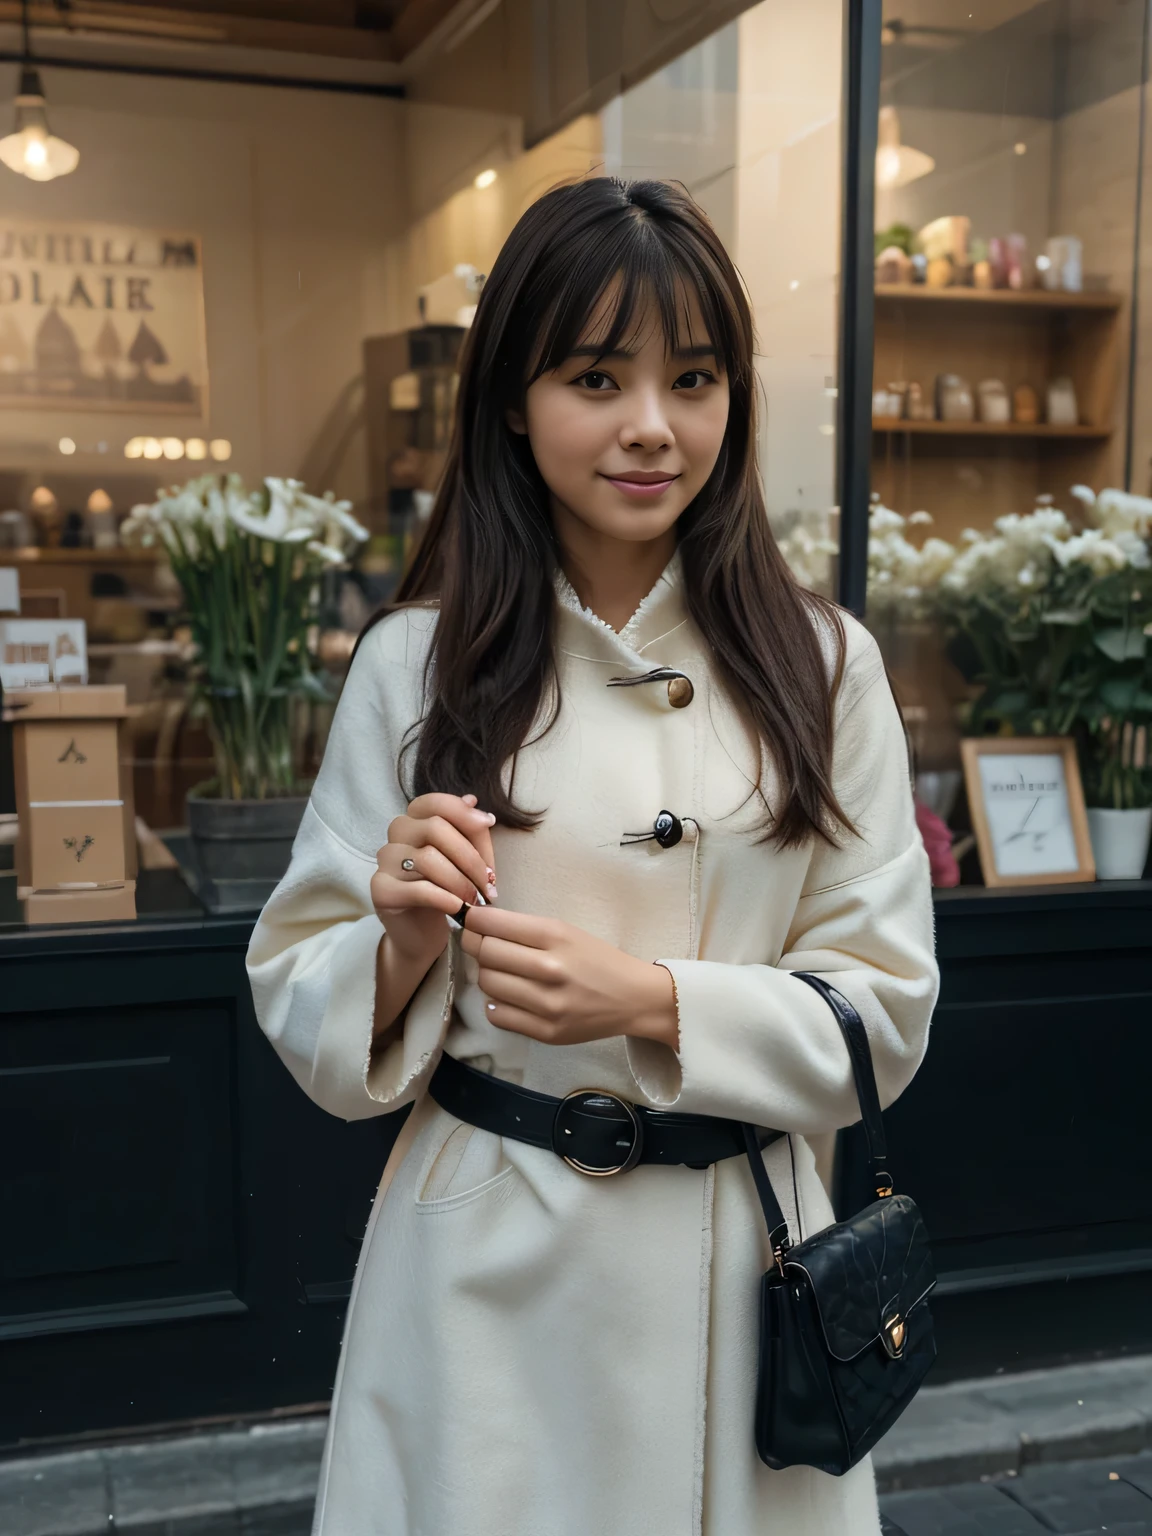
[(845, 1332)]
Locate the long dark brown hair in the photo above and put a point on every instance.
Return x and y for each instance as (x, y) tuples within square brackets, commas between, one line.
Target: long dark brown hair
[(489, 555)]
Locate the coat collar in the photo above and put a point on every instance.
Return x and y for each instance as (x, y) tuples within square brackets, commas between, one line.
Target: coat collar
[(583, 633)]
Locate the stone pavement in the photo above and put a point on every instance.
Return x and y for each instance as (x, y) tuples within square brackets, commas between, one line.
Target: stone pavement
[(1004, 1456), (1078, 1498)]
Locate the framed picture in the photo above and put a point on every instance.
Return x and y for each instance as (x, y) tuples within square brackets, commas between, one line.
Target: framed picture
[(1027, 806)]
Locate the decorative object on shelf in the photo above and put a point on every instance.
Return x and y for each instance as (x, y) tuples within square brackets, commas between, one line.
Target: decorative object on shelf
[(994, 405), (1062, 409), (915, 406), (887, 404), (1027, 808), (1120, 841), (998, 261), (47, 517), (1064, 271), (101, 520), (76, 846), (1025, 405), (893, 265), (249, 564), (954, 398), (897, 164), (937, 840), (982, 276), (903, 236), (1019, 267), (15, 530), (944, 243)]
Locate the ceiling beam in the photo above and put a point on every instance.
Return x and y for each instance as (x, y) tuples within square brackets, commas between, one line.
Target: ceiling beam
[(162, 23)]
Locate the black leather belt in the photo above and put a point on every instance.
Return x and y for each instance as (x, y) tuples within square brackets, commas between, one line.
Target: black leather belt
[(594, 1131)]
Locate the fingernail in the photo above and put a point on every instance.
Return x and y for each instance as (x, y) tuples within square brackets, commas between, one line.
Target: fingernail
[(491, 1007), (469, 799), (489, 818), (493, 894)]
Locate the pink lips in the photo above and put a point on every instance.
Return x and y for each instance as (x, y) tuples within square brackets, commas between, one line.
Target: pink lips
[(642, 484)]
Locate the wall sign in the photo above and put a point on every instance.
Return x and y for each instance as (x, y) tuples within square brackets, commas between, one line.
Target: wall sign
[(103, 317), (1027, 808)]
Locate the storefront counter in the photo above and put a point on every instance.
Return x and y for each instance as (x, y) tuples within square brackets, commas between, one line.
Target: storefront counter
[(180, 1224)]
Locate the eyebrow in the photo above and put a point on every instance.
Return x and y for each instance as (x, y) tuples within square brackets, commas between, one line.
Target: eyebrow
[(706, 349)]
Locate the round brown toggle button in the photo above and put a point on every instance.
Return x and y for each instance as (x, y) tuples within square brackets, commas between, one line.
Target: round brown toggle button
[(680, 692)]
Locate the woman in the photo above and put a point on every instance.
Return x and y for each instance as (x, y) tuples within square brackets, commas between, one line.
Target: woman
[(650, 776)]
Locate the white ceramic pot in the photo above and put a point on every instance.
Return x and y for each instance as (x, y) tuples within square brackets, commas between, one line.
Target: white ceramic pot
[(1120, 842)]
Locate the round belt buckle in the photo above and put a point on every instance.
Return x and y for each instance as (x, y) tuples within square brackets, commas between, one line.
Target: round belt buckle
[(593, 1103)]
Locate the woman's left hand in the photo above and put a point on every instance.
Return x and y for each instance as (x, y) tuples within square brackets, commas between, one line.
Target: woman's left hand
[(556, 983)]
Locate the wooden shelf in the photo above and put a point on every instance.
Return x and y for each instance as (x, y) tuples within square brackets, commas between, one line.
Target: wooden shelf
[(1024, 298), (40, 555), (993, 429)]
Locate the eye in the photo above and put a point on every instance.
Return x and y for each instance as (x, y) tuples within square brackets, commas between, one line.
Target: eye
[(595, 380), (695, 378)]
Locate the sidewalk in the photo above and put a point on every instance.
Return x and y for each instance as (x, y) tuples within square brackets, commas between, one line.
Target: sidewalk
[(261, 1481)]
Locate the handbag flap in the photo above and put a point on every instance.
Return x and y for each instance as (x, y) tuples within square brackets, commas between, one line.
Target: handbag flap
[(867, 1274)]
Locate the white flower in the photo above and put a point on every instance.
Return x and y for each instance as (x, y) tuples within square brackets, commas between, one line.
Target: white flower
[(1092, 548)]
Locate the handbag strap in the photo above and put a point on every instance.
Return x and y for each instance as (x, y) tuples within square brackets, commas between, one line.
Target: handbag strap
[(860, 1055)]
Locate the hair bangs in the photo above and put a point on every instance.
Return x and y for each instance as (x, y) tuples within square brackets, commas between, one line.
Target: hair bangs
[(613, 289)]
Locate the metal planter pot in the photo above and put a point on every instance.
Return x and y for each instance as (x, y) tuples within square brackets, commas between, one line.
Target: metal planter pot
[(240, 848)]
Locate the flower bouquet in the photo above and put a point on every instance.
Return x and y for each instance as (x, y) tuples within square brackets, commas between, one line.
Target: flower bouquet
[(248, 563)]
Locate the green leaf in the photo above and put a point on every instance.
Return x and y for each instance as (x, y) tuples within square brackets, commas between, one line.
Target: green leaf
[(1121, 644)]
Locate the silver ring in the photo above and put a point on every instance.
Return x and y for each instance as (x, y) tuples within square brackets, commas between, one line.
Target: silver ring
[(408, 865)]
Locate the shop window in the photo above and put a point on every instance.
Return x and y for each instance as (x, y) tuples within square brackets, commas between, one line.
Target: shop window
[(1010, 363)]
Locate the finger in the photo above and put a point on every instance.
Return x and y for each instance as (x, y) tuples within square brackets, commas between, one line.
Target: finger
[(516, 927), (438, 832), (519, 1021), (429, 863), (519, 992), (537, 965), (464, 814), (454, 808), (392, 895)]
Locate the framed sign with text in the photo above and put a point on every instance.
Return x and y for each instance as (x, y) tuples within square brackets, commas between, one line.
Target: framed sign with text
[(1027, 807), (102, 317)]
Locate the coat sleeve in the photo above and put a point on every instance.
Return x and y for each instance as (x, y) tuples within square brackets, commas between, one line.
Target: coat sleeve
[(757, 1045), (312, 957)]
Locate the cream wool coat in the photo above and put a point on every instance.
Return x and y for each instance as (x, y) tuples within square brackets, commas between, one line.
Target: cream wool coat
[(529, 1351)]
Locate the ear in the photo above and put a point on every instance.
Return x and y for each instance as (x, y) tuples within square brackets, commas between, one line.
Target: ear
[(516, 421)]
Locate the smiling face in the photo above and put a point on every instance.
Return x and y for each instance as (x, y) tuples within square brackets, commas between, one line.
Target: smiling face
[(624, 440)]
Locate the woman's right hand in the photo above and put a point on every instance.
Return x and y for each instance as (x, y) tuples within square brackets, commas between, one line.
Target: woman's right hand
[(449, 844)]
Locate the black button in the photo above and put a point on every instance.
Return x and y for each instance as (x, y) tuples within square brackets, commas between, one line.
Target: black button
[(667, 829)]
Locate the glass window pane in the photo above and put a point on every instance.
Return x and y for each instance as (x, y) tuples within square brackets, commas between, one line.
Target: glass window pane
[(1006, 203), (749, 120)]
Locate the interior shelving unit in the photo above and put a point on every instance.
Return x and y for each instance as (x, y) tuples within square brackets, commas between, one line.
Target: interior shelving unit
[(964, 472)]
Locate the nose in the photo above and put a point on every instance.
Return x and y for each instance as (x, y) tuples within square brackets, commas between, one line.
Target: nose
[(646, 426)]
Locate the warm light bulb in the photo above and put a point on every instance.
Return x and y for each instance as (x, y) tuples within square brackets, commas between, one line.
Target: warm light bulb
[(196, 448), (31, 150), (67, 446), (153, 449), (173, 448), (134, 448), (485, 179), (220, 449)]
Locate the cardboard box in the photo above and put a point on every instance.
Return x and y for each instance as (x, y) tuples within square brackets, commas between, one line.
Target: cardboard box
[(68, 759), (105, 701), (79, 844), (115, 904)]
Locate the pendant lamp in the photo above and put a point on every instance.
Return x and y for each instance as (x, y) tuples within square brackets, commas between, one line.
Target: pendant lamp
[(896, 164), (32, 150)]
